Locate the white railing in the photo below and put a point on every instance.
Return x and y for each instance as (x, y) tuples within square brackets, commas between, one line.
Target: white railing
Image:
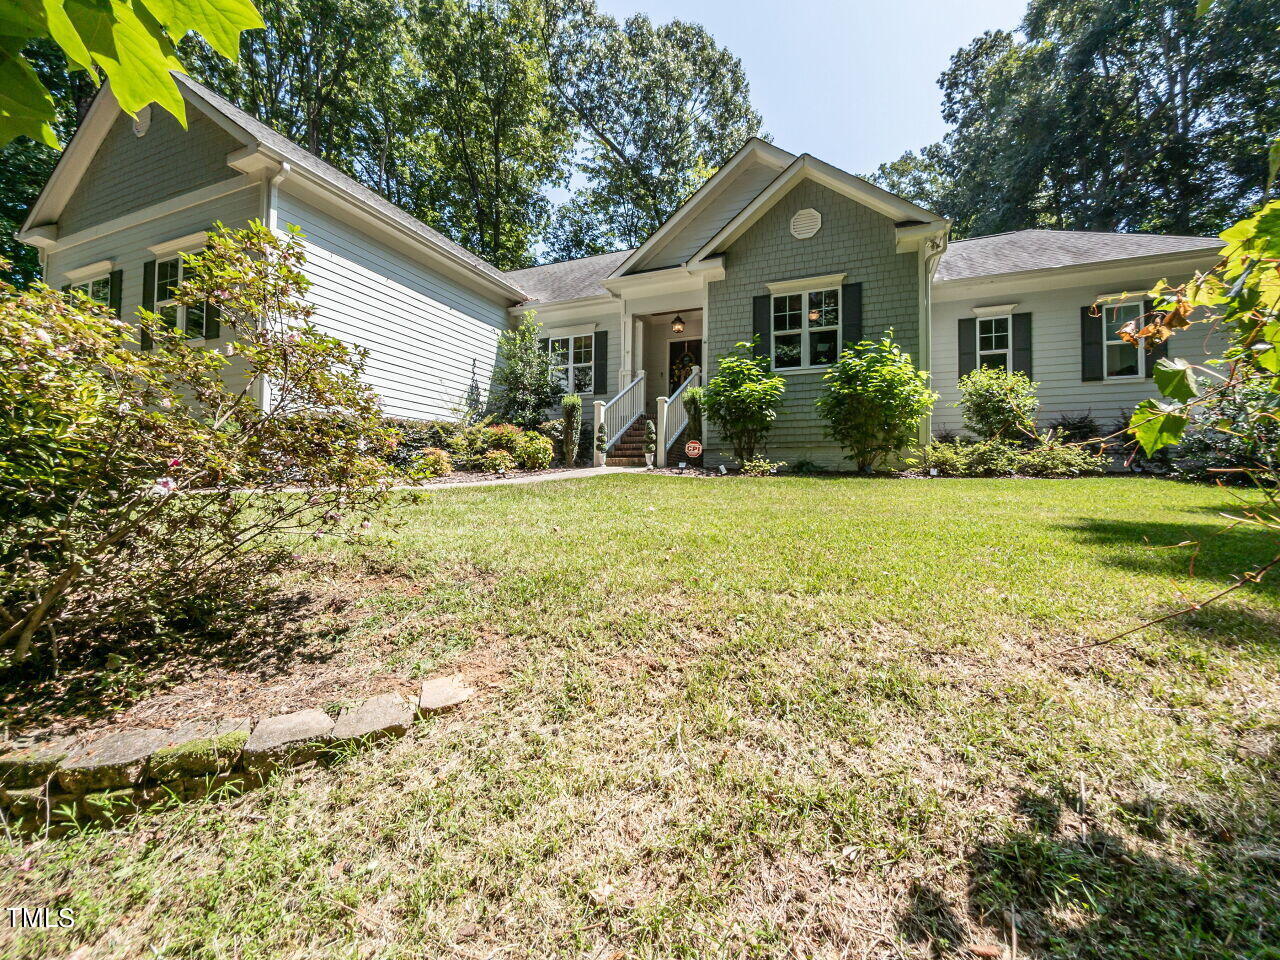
[(672, 415), (616, 415)]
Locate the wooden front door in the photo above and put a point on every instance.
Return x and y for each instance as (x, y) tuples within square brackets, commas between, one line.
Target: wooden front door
[(682, 357)]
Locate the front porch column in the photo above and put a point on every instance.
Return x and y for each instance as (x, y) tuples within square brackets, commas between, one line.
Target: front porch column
[(597, 418), (626, 359)]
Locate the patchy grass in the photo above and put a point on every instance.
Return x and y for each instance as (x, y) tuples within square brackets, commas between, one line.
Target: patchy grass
[(752, 718)]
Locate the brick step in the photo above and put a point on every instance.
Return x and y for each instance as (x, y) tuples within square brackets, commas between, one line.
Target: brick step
[(613, 461)]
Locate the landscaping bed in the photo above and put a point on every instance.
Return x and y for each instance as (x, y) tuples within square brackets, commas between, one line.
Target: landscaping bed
[(838, 717)]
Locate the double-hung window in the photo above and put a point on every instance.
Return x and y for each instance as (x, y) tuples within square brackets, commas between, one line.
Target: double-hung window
[(806, 329), (1123, 360), (190, 319), (994, 343), (98, 289), (573, 360)]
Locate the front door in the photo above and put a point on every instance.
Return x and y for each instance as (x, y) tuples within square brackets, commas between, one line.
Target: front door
[(682, 357)]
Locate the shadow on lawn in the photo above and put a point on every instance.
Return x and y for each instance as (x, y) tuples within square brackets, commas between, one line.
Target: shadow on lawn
[(99, 677), (1084, 892)]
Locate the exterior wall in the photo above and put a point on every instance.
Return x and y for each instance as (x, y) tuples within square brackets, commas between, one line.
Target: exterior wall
[(657, 337), (853, 240), (1055, 353), (608, 319), (129, 173), (432, 341)]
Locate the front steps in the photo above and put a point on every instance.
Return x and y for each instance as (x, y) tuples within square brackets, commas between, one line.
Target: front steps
[(629, 450)]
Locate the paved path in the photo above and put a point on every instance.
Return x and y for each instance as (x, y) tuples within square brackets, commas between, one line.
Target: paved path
[(578, 474)]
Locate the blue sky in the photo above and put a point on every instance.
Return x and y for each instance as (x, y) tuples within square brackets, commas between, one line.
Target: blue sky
[(851, 82)]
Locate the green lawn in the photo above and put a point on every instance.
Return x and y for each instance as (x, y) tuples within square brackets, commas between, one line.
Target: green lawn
[(807, 718)]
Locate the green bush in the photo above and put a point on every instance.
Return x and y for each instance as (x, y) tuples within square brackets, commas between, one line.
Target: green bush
[(533, 451), (505, 436), (429, 464), (650, 438), (742, 400), (495, 461), (414, 436), (571, 428), (873, 400), (695, 399), (999, 458), (999, 404), (762, 467), (524, 384), (1235, 438)]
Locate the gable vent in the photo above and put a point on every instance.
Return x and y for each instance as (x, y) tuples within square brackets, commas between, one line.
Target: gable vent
[(806, 223)]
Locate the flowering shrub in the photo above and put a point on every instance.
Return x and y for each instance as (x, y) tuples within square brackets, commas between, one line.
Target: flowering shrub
[(429, 464), (495, 461), (505, 436), (533, 451), (125, 474)]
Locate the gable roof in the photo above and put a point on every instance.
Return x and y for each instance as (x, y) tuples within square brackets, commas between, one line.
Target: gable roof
[(1023, 250), (251, 131), (568, 279)]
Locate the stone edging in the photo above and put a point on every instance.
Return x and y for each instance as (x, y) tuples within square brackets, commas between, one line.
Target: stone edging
[(53, 783)]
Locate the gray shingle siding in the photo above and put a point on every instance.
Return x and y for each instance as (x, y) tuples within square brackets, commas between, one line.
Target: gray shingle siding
[(853, 240), (129, 172)]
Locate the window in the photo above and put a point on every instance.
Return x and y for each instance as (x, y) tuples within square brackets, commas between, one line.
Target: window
[(169, 273), (99, 289), (574, 362), (993, 342), (1122, 359), (806, 329)]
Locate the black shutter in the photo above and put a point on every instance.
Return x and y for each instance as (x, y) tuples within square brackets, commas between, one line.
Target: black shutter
[(761, 324), (600, 356), (544, 344), (212, 322), (967, 334), (1091, 353), (850, 315), (148, 298), (1158, 351), (1022, 343), (117, 288)]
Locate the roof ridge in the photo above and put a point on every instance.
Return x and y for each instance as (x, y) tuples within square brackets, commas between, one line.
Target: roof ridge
[(590, 256)]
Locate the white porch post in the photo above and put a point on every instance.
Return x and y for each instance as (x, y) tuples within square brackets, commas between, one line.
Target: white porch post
[(597, 458), (661, 427), (627, 336)]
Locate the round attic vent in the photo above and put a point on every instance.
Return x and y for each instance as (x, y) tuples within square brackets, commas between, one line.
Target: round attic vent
[(806, 223), (143, 122)]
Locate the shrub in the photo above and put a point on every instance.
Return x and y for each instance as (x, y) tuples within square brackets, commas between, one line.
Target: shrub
[(1235, 431), (999, 404), (533, 451), (504, 436), (650, 438), (495, 461), (467, 443), (119, 465), (414, 436), (762, 467), (1080, 429), (742, 400), (602, 440), (571, 428), (999, 458), (873, 401), (695, 399), (524, 384), (429, 464)]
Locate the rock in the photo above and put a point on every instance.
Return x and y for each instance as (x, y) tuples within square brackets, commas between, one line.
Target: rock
[(292, 738), (442, 693), (200, 749), (388, 715), (36, 801), (33, 763), (116, 760), (108, 806), (986, 950)]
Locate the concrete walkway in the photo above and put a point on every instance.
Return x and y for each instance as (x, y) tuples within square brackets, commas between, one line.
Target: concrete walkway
[(579, 474)]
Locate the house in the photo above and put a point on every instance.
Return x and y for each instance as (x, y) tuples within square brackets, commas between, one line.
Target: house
[(802, 256)]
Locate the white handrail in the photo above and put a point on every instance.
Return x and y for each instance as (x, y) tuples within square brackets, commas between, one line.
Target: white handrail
[(672, 415), (618, 414)]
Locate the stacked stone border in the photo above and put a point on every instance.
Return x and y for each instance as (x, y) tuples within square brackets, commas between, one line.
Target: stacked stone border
[(56, 783)]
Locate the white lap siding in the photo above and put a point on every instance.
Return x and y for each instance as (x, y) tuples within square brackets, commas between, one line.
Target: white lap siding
[(1055, 354), (431, 340)]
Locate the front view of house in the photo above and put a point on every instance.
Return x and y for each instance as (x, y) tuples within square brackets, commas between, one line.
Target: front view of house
[(788, 250)]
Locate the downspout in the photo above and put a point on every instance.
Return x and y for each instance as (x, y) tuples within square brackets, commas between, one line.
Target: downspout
[(270, 196), (931, 251)]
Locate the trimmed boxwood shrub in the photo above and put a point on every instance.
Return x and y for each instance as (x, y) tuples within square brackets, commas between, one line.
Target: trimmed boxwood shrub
[(998, 458), (533, 451)]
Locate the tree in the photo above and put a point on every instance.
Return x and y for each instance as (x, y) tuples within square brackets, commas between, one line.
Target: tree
[(658, 109), (873, 400), (999, 404), (130, 42), (524, 382), (742, 400), (1110, 115)]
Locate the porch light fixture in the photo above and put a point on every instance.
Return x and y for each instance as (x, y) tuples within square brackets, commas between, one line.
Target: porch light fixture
[(677, 325)]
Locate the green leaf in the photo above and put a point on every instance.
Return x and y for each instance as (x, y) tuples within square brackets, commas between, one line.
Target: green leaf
[(1157, 425), (26, 109), (133, 51), (220, 22), (1203, 7), (1176, 379), (1273, 162)]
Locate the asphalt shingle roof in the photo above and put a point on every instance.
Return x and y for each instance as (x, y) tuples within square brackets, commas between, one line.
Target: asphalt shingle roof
[(1043, 249), (310, 162), (568, 279)]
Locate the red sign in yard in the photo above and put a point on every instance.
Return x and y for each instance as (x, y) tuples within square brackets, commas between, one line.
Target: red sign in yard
[(693, 449)]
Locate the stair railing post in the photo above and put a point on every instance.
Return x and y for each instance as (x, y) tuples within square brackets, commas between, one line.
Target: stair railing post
[(597, 458), (661, 429)]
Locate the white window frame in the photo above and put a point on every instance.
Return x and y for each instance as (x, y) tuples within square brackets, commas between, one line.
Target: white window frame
[(180, 311), (1007, 352), (779, 294), (86, 287), (1109, 341), (570, 368)]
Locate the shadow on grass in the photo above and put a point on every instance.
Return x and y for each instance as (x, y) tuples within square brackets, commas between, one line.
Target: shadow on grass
[(265, 635), (1081, 891)]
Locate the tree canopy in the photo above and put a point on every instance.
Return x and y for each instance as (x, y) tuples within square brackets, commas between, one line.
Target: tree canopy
[(1104, 115)]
